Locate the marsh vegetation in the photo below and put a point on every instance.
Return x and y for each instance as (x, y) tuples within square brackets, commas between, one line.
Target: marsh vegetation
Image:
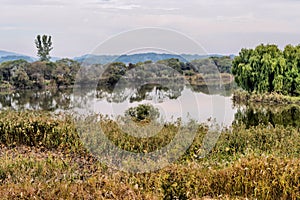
[(256, 156)]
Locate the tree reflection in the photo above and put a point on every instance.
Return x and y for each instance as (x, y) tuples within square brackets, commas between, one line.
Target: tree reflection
[(251, 115), (49, 100), (149, 91)]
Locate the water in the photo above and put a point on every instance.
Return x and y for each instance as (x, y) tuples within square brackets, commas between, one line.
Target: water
[(185, 103), (48, 100), (188, 105), (253, 115)]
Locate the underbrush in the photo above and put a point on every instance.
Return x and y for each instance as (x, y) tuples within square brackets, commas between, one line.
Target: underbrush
[(38, 129), (42, 157), (243, 97)]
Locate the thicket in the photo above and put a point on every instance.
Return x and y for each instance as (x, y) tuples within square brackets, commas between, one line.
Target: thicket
[(21, 74), (267, 69)]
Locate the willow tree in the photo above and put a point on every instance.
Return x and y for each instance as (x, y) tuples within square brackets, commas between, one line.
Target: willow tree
[(44, 46), (292, 72), (267, 69), (245, 75)]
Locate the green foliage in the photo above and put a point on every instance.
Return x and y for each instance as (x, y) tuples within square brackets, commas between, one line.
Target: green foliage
[(65, 72), (243, 97), (253, 115), (174, 64), (143, 112), (20, 74), (212, 65), (23, 75), (36, 163), (223, 63), (44, 46), (267, 69), (20, 79), (35, 129), (8, 69)]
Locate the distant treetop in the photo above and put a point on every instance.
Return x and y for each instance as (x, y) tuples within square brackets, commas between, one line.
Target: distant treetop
[(44, 46)]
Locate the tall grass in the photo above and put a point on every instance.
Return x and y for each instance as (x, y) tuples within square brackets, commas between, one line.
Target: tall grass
[(243, 97), (260, 162), (38, 129)]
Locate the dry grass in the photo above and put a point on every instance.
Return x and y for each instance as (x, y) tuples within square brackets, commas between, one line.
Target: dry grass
[(243, 97), (256, 163)]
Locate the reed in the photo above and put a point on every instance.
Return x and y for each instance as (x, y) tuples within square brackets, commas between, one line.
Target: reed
[(42, 157)]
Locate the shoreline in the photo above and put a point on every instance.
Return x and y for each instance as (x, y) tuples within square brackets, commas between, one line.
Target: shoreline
[(243, 97), (225, 79)]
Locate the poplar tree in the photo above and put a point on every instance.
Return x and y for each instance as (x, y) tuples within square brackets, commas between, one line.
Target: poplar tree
[(44, 46)]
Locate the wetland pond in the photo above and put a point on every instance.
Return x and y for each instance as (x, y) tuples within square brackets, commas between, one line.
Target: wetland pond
[(197, 103)]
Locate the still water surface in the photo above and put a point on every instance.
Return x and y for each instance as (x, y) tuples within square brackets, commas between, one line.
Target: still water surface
[(185, 103)]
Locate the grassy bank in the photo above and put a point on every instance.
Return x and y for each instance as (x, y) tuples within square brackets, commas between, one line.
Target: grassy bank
[(243, 97), (210, 80), (42, 157)]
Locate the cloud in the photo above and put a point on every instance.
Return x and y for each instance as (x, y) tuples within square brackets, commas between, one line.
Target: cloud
[(112, 4), (118, 7), (9, 28), (163, 9), (78, 25), (140, 7), (243, 18), (33, 3)]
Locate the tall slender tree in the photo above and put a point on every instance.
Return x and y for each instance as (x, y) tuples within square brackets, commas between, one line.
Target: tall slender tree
[(44, 46)]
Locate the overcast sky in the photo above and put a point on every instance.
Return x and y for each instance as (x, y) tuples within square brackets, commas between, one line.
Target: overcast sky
[(78, 26)]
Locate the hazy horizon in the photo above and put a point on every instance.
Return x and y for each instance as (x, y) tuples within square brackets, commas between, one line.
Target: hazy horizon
[(87, 54)]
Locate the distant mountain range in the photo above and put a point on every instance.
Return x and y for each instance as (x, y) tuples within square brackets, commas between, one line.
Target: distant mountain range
[(135, 58), (142, 57), (103, 59), (10, 56)]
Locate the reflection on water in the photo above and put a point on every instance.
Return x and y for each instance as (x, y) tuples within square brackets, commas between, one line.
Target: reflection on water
[(275, 115), (181, 102), (144, 92), (49, 100), (189, 105)]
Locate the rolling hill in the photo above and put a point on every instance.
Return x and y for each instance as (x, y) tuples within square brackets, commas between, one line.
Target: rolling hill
[(10, 56), (104, 59), (135, 58)]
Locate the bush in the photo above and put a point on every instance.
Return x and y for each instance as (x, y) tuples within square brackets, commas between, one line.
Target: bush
[(143, 112)]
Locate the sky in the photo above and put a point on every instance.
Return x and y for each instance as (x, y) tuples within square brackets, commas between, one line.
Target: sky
[(79, 26)]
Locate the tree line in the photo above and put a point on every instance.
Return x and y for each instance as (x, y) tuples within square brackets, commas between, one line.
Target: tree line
[(20, 74), (268, 69)]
